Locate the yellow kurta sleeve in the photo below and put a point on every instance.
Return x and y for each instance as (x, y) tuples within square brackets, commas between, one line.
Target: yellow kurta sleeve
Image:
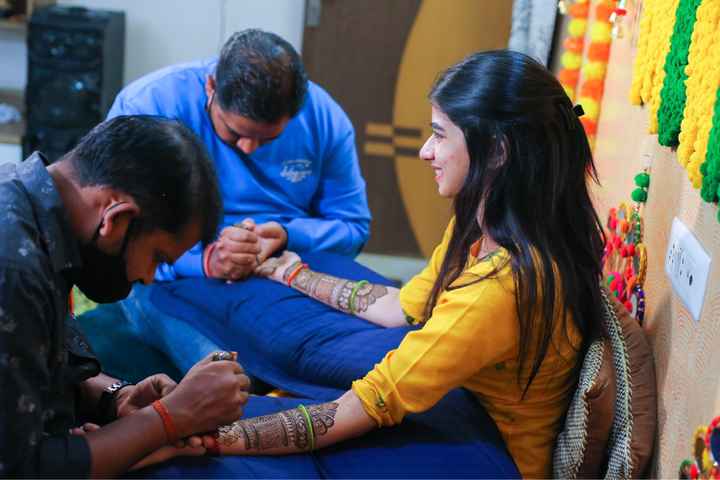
[(471, 327), (413, 296)]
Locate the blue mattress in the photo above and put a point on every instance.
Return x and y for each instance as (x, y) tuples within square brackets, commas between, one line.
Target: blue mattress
[(455, 439)]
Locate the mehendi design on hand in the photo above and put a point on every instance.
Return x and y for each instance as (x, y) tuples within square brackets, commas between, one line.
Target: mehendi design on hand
[(323, 417), (281, 429), (258, 433), (268, 267), (336, 292), (367, 295), (342, 301)]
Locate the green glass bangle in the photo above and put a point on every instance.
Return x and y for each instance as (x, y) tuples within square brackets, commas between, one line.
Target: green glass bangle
[(311, 432), (353, 294)]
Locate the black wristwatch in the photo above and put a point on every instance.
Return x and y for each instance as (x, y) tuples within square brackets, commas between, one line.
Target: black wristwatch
[(107, 406)]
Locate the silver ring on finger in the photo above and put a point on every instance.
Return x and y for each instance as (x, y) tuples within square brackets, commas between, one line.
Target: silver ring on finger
[(220, 356)]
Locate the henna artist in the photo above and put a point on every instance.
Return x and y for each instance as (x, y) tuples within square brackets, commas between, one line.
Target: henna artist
[(510, 298), (136, 191)]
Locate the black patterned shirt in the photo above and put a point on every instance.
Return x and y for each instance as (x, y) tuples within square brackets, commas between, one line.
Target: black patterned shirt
[(43, 357)]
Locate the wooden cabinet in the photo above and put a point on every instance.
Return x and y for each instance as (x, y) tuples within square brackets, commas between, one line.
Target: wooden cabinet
[(20, 13)]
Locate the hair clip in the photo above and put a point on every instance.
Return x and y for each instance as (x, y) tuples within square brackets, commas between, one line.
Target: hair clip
[(578, 109), (566, 116)]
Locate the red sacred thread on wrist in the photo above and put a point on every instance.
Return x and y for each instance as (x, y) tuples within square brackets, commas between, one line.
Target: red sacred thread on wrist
[(214, 449), (168, 424), (295, 273), (206, 259)]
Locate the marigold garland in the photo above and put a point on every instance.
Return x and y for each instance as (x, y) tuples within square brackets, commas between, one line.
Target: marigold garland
[(673, 94), (703, 73), (650, 69), (686, 111), (665, 27), (710, 169), (643, 60), (571, 59), (593, 72)]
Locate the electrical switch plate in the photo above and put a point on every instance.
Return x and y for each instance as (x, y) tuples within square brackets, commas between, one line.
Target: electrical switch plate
[(688, 266)]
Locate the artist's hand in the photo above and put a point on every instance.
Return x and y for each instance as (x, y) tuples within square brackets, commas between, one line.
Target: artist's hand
[(242, 247), (213, 393), (135, 397), (166, 453), (234, 255), (276, 268)]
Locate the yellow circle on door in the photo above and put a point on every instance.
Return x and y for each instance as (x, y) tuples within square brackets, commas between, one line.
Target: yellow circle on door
[(444, 32)]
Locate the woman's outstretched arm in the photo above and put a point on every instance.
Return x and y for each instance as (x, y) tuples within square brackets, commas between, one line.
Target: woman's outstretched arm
[(373, 302), (298, 430), (301, 429)]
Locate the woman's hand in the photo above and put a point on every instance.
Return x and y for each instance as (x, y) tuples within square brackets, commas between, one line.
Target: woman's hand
[(275, 268), (84, 428)]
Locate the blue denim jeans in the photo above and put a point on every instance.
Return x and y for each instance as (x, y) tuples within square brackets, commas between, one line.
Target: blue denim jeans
[(178, 340)]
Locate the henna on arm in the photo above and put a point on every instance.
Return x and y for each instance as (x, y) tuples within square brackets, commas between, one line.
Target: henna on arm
[(336, 292), (286, 430)]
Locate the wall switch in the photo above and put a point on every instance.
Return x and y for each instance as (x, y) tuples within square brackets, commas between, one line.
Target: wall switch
[(687, 264)]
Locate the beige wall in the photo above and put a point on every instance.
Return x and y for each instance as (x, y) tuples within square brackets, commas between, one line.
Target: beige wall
[(687, 353)]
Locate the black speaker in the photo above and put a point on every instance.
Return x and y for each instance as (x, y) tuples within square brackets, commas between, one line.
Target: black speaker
[(75, 69)]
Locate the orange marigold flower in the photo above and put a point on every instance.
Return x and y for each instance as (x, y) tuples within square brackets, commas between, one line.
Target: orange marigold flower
[(569, 77), (579, 10), (599, 52), (589, 125), (574, 44), (604, 10)]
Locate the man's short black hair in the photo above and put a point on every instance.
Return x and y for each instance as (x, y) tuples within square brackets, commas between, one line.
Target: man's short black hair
[(160, 163), (260, 76)]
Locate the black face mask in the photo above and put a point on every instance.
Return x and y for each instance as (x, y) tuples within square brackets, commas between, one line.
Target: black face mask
[(103, 277)]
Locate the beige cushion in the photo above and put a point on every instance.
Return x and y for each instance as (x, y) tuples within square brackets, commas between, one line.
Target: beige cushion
[(603, 440), (643, 394), (581, 448)]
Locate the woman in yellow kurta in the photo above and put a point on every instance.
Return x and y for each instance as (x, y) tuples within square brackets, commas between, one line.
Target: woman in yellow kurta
[(510, 298)]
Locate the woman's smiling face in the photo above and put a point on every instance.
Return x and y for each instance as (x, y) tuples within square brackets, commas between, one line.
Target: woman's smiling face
[(447, 153)]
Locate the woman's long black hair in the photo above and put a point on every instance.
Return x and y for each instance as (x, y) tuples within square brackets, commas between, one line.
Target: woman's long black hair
[(529, 165)]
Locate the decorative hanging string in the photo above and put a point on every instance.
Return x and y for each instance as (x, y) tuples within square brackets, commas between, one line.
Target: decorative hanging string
[(703, 73), (572, 59), (625, 254), (705, 450), (673, 95)]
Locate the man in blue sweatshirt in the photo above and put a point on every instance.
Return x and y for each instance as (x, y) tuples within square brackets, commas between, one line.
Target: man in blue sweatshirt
[(284, 151), (285, 156)]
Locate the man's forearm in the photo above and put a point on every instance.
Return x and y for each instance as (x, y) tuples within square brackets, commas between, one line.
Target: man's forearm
[(91, 390), (341, 236)]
